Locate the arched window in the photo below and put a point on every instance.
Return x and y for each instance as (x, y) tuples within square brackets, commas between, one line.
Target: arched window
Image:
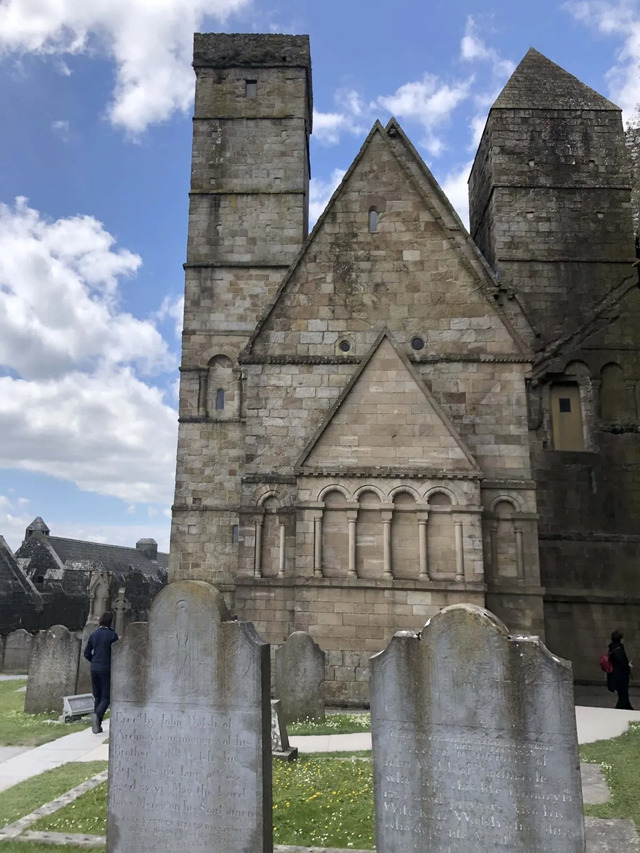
[(220, 399), (615, 400), (335, 536), (440, 537), (373, 220), (566, 416), (270, 557), (404, 537), (221, 387), (506, 558), (369, 548)]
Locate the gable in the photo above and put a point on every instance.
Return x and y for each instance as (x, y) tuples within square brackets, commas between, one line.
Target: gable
[(418, 274), (387, 414)]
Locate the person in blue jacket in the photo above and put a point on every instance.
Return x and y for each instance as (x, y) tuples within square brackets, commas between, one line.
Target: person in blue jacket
[(98, 653)]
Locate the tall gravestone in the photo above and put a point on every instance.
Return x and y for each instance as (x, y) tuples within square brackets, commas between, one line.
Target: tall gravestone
[(17, 651), (299, 678), (474, 741), (190, 735), (83, 683), (53, 670)]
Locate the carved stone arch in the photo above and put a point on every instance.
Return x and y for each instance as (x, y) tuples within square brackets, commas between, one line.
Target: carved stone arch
[(335, 487), (578, 369), (220, 349), (512, 499), (406, 489), (335, 534), (617, 403), (442, 490), (263, 492), (370, 487), (369, 532), (223, 389)]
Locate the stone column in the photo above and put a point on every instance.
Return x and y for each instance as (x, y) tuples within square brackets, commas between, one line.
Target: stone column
[(352, 517), (459, 540), (493, 533), (519, 552), (317, 545), (282, 550), (257, 557), (387, 516), (423, 519)]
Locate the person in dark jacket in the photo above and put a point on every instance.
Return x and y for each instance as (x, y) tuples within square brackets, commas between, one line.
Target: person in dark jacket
[(98, 653), (621, 672)]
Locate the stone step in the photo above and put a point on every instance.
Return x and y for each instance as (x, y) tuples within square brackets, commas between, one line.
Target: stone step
[(611, 836)]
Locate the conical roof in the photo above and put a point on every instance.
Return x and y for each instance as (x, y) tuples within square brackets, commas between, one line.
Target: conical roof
[(39, 525), (540, 84)]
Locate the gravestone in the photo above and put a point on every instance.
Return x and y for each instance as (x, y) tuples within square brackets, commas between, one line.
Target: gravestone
[(83, 683), (53, 670), (299, 678), (280, 746), (190, 734), (76, 707), (474, 741), (17, 651)]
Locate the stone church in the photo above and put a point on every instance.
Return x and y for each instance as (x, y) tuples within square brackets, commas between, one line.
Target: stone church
[(390, 414)]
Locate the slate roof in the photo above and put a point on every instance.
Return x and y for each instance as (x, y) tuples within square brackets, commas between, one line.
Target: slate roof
[(113, 558), (540, 84)]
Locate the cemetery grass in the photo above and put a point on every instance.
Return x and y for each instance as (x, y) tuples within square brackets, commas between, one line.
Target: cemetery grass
[(333, 724), (20, 729), (36, 847), (620, 760), (27, 796), (317, 801)]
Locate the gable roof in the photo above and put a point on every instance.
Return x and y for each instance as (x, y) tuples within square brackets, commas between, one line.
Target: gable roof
[(540, 84), (387, 412), (438, 206)]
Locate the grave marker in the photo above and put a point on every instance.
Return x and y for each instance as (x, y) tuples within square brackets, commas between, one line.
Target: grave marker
[(53, 670), (474, 741), (17, 651), (299, 678), (190, 735), (83, 682)]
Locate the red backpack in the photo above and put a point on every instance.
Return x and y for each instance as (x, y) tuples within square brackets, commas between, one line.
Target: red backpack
[(605, 663)]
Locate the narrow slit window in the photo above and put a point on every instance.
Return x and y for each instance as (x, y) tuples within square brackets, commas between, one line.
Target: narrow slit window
[(219, 399), (251, 88), (235, 534), (373, 220)]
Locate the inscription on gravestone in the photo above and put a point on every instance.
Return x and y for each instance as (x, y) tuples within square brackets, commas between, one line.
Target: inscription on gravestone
[(190, 742), (299, 678), (474, 741)]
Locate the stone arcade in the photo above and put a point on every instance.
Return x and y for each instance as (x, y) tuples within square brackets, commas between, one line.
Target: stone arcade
[(390, 416)]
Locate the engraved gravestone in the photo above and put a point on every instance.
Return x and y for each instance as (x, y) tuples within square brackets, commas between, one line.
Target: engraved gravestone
[(53, 670), (474, 741), (17, 651), (190, 735), (299, 678)]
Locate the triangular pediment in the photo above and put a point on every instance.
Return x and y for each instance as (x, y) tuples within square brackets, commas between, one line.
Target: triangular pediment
[(387, 418), (419, 273)]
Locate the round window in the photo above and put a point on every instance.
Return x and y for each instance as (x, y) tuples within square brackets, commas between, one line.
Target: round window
[(417, 343), (345, 346)]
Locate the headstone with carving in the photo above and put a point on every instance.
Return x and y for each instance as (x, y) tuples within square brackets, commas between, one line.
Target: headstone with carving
[(53, 670), (190, 743), (299, 678), (120, 609), (474, 741), (17, 651), (99, 593), (83, 683)]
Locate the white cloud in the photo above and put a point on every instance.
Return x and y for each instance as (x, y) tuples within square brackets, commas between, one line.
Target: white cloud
[(473, 49), (71, 403), (150, 43), (455, 187), (61, 129), (621, 20), (351, 116), (320, 191), (430, 102), (172, 308), (59, 294)]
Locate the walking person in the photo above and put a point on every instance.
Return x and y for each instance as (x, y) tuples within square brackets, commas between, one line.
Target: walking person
[(98, 653), (621, 673)]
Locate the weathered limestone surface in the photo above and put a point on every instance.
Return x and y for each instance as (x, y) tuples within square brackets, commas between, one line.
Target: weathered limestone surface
[(17, 651), (299, 678), (190, 745), (53, 670), (474, 741)]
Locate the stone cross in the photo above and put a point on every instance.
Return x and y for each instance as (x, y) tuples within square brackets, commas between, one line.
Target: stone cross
[(474, 741), (190, 742), (120, 608)]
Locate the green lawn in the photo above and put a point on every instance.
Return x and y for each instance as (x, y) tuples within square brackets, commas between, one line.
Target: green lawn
[(620, 760), (36, 847), (27, 796), (333, 724), (20, 729)]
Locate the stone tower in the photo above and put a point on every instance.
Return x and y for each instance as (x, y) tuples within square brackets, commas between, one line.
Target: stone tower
[(247, 220), (550, 210)]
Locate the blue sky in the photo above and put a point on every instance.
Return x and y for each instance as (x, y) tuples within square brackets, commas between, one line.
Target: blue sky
[(95, 157)]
